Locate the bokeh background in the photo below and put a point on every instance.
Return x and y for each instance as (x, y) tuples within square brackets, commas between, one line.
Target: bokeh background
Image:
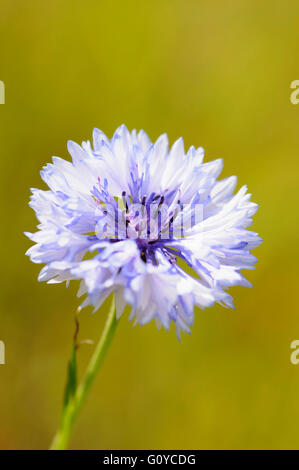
[(218, 74)]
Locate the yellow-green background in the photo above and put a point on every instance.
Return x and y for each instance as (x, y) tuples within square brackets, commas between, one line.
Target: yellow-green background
[(218, 73)]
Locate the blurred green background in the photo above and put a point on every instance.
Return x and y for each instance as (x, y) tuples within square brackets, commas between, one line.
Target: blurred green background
[(218, 74)]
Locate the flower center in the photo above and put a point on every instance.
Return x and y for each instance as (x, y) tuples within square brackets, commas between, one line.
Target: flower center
[(147, 220)]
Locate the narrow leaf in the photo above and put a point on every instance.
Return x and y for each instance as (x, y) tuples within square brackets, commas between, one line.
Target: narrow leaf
[(71, 383)]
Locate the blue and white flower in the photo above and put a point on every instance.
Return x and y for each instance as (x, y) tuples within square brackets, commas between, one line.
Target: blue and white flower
[(149, 257)]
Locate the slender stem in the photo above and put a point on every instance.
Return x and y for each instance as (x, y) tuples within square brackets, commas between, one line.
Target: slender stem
[(62, 437)]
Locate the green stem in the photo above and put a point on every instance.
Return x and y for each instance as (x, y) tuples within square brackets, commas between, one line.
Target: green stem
[(62, 437)]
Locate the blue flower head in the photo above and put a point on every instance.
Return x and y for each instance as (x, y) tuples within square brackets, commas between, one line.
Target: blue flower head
[(151, 224)]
